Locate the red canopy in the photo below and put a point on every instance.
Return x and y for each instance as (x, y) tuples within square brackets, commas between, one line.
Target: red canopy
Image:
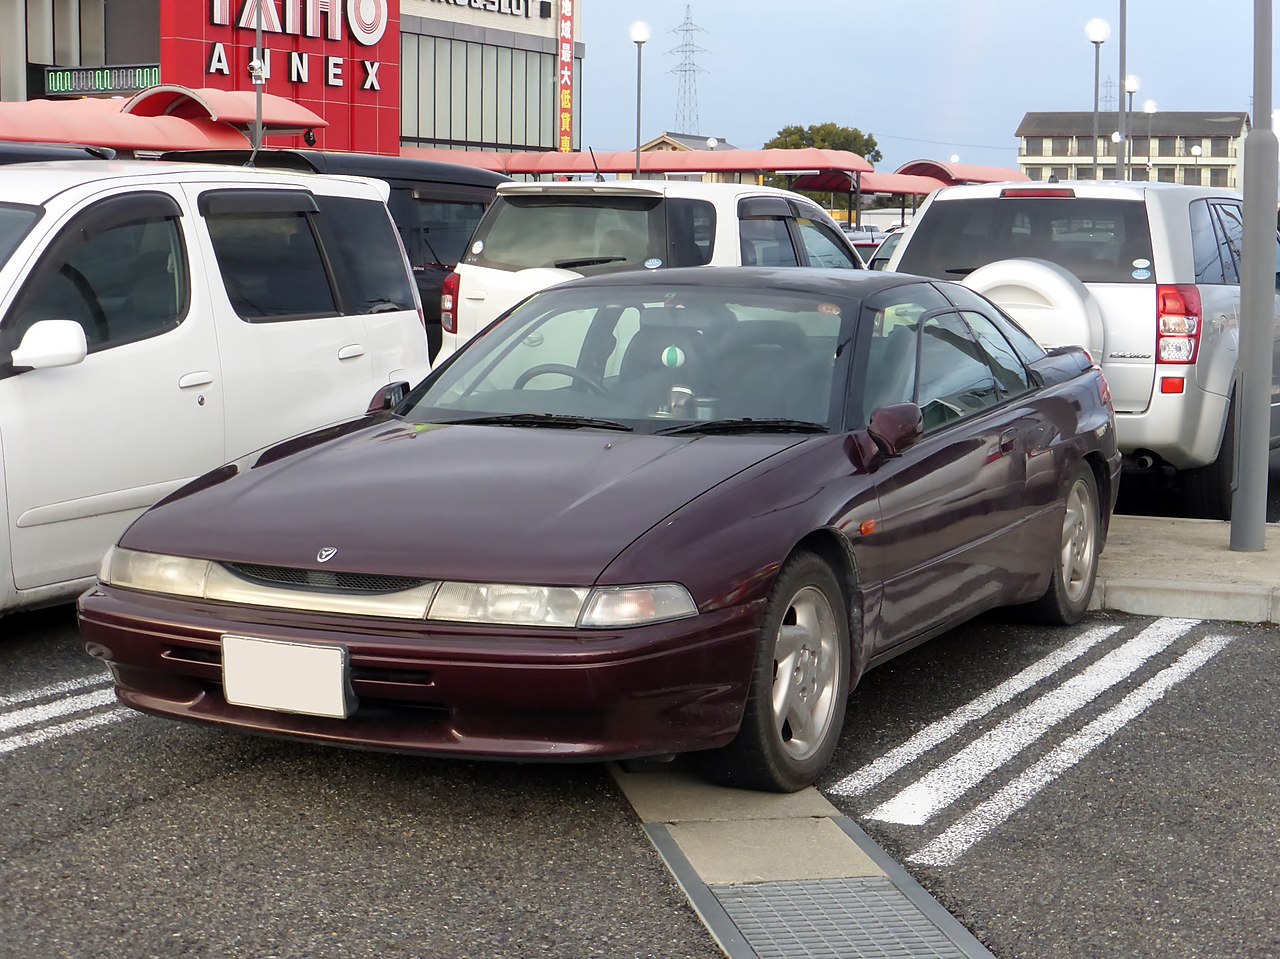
[(895, 183), (953, 173), (162, 118)]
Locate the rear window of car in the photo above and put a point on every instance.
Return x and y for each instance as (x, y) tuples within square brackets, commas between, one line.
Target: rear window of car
[(593, 233), (15, 220), (1099, 240), (435, 230)]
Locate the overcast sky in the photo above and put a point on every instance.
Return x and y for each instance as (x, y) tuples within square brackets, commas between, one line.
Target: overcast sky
[(928, 78)]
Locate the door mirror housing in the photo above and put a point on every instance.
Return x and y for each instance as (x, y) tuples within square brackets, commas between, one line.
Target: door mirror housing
[(51, 343), (896, 428), (388, 397)]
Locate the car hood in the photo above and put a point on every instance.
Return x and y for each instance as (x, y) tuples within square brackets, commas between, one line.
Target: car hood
[(471, 503)]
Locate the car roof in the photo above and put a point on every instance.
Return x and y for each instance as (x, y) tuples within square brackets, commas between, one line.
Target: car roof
[(31, 152), (1094, 189), (861, 283), (351, 164), (680, 188), (39, 182)]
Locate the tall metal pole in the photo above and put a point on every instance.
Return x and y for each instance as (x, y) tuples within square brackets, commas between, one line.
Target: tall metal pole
[(1097, 76), (639, 56), (259, 81), (1124, 134), (1257, 303)]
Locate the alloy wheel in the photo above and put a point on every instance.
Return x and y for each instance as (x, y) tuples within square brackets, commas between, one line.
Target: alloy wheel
[(806, 673)]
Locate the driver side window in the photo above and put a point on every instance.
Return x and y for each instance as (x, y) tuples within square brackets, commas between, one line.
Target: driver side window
[(119, 269)]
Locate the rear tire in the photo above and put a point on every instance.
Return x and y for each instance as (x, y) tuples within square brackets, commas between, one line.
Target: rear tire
[(1206, 491), (799, 686), (1076, 561)]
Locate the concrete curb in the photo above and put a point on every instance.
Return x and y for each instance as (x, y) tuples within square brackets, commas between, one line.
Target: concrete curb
[(1235, 603)]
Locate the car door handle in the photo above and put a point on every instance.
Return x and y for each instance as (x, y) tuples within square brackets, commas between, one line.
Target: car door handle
[(475, 296), (192, 380), (351, 352), (1008, 442)]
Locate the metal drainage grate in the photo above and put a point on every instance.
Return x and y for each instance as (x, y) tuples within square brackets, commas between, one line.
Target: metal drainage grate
[(864, 918)]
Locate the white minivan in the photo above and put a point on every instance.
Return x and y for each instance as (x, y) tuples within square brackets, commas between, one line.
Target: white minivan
[(158, 320)]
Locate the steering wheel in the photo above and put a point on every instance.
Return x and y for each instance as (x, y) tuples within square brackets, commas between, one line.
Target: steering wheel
[(572, 372), (85, 290)]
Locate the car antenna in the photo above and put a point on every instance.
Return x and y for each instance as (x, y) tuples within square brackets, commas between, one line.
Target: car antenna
[(599, 175)]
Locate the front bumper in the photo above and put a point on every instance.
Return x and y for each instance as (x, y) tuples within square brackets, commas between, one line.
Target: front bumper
[(446, 689)]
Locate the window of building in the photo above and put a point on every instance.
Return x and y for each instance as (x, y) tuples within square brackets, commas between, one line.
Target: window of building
[(1033, 173), (1218, 177), (1062, 172), (1166, 146), (1061, 146), (1219, 146), (1191, 175), (1165, 174)]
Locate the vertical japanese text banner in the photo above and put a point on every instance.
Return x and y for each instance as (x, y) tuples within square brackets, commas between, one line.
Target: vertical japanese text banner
[(565, 113)]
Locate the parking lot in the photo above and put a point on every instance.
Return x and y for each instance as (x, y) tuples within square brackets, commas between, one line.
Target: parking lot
[(132, 836)]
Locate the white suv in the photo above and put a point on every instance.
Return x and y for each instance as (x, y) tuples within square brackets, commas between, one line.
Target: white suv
[(538, 234), (1146, 276), (158, 320)]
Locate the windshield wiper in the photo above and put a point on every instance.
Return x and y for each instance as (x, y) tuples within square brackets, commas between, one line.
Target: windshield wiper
[(586, 261), (554, 420), (745, 424)]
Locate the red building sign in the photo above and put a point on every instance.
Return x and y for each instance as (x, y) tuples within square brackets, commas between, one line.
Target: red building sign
[(340, 58)]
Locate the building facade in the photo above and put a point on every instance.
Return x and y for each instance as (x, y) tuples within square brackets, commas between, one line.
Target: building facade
[(464, 74), (1172, 147)]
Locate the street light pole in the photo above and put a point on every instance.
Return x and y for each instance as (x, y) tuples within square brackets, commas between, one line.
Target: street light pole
[(1149, 108), (639, 34), (1096, 32), (1195, 152), (1131, 84), (1124, 132)]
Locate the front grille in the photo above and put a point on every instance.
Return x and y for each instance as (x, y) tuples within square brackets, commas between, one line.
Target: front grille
[(330, 580)]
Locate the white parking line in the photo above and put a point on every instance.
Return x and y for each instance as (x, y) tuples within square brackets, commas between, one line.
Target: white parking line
[(954, 841), (59, 707), (55, 689), (940, 787), (885, 766), (30, 738)]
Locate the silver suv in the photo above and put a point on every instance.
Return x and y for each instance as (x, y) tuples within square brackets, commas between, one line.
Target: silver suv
[(1146, 276)]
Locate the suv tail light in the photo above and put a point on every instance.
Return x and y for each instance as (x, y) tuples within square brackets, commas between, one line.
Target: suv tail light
[(448, 302), (1178, 315)]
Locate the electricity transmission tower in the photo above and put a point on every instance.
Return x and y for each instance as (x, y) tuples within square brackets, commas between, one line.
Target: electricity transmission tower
[(687, 70)]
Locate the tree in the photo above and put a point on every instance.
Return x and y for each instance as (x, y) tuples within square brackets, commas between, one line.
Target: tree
[(827, 136), (824, 136)]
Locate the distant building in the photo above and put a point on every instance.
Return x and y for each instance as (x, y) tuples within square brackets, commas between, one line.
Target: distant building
[(684, 142), (1169, 147)]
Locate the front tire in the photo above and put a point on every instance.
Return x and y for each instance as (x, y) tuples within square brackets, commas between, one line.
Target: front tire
[(799, 685), (1076, 561)]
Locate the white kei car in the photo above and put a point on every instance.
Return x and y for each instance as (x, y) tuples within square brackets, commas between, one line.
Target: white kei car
[(536, 235), (158, 320)]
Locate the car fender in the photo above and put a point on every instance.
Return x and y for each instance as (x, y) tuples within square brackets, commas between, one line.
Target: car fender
[(1048, 301)]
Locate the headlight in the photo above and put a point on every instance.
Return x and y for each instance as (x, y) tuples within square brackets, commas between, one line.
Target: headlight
[(508, 605), (635, 605), (155, 573)]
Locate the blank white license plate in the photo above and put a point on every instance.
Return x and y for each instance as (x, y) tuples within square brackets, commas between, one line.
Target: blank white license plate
[(285, 676)]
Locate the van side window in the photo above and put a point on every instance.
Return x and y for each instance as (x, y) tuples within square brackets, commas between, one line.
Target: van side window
[(366, 259), (766, 241), (268, 255), (119, 269), (691, 225), (822, 248)]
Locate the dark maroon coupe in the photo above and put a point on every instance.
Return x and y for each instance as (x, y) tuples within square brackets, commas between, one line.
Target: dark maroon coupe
[(677, 511)]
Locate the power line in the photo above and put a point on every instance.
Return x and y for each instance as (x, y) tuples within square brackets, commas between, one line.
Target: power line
[(971, 146)]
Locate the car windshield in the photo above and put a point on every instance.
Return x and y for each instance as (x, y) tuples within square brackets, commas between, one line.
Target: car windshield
[(593, 233), (15, 220), (650, 358), (1099, 240)]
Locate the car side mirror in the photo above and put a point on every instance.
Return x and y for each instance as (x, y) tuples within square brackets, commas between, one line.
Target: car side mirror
[(51, 343), (388, 397), (896, 428)]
